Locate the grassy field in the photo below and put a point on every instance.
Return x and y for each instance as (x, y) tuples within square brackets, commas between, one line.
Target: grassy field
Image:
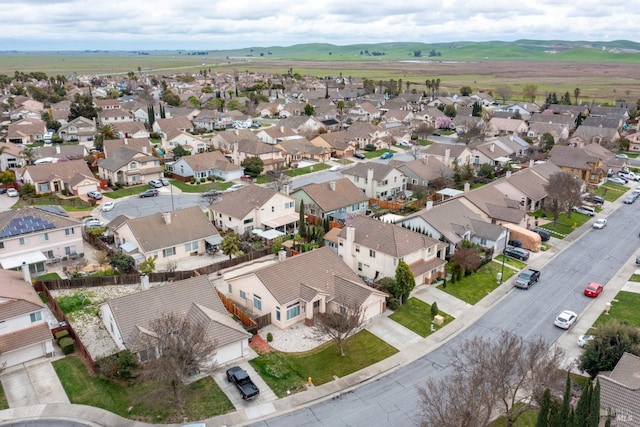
[(623, 307), (479, 284), (288, 372), (204, 399), (307, 169), (415, 314)]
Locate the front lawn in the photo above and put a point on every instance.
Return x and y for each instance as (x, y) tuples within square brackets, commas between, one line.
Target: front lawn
[(479, 284), (415, 314), (68, 204), (201, 188), (204, 399), (49, 276), (610, 191), (374, 154), (623, 307), (528, 419), (288, 372), (566, 225), (307, 169), (634, 278), (517, 264)]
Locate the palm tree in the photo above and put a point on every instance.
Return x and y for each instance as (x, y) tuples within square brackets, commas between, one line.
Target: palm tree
[(28, 154), (105, 132)]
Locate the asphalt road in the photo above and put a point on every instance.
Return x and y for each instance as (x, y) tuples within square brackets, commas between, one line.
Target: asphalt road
[(393, 400), (136, 206)]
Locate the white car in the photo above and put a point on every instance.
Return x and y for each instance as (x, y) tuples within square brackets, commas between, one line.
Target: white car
[(566, 319), (404, 143), (600, 223), (585, 339), (93, 222), (234, 187), (335, 168), (107, 206), (12, 192)]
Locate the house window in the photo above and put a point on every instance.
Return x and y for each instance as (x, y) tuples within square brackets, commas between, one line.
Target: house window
[(316, 304), (273, 209), (35, 317), (69, 250), (357, 248), (146, 355), (48, 254), (257, 302), (248, 221), (372, 253), (278, 314), (133, 165), (476, 160), (359, 266), (24, 241), (43, 188), (168, 252), (483, 242), (1, 245), (243, 295), (230, 288), (192, 246), (293, 311), (69, 231), (44, 237)]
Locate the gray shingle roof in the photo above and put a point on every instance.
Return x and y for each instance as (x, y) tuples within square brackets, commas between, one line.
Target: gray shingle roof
[(18, 296), (345, 194), (58, 221), (380, 170), (239, 203), (620, 390)]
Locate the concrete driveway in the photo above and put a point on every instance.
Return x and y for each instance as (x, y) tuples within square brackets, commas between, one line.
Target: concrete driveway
[(7, 202), (32, 383)]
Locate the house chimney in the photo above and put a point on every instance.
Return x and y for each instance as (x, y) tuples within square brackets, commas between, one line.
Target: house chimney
[(351, 234), (26, 274), (531, 163), (237, 132), (126, 141), (57, 149), (282, 255), (144, 149), (425, 160), (167, 217), (286, 189), (429, 204), (492, 147), (144, 282), (447, 154), (332, 185), (282, 129), (467, 187)]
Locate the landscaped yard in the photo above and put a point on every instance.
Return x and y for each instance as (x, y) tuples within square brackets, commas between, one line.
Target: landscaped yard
[(72, 204), (183, 186), (204, 398), (415, 314), (288, 372), (479, 284), (519, 265), (528, 419), (623, 307), (374, 154), (307, 169), (48, 276), (565, 225), (610, 191)]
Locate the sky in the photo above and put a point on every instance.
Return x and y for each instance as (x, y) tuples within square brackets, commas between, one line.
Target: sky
[(50, 25)]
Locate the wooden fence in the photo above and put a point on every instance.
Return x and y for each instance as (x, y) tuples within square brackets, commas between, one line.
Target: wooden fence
[(385, 204), (246, 320)]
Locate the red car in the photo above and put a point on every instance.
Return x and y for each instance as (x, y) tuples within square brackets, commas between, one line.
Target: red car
[(593, 289)]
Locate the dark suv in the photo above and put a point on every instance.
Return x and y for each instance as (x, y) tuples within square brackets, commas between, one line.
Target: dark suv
[(544, 234), (359, 156), (517, 253)]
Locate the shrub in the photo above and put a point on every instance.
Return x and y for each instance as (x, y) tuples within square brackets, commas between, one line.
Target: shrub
[(67, 344), (393, 303), (120, 365), (369, 147), (269, 337), (434, 309), (192, 180), (203, 180), (61, 334)]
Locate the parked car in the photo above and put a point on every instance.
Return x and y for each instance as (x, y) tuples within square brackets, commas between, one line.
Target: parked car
[(93, 222), (617, 180), (545, 235), (234, 187), (517, 253), (585, 339), (405, 143), (155, 183), (629, 199), (515, 243), (436, 134), (622, 156), (593, 289), (359, 156), (566, 319), (151, 192), (238, 376), (164, 181), (593, 199), (638, 259), (386, 155), (600, 223), (107, 206), (334, 168), (584, 210), (96, 195), (12, 192), (527, 278)]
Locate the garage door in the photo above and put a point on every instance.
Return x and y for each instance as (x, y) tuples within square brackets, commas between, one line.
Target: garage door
[(23, 354)]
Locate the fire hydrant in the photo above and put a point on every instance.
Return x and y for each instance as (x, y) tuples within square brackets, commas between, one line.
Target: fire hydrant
[(309, 381)]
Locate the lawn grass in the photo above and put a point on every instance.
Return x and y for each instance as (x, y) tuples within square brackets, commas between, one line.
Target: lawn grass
[(263, 179), (527, 419), (288, 372), (566, 225), (610, 191), (517, 264), (307, 169), (3, 399), (415, 315), (634, 278), (49, 276), (201, 188), (204, 398), (623, 307), (374, 154), (68, 204), (126, 191), (479, 284)]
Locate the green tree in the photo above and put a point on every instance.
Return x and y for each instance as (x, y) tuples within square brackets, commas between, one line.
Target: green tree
[(27, 190), (194, 101), (594, 406), (253, 166), (434, 309), (7, 177), (576, 94), (563, 190), (611, 340), (547, 141), (179, 151), (529, 92), (234, 104), (309, 110), (122, 262), (230, 244), (148, 266), (170, 98), (405, 281), (82, 106), (106, 132), (28, 154), (449, 111), (543, 414), (302, 229), (466, 90)]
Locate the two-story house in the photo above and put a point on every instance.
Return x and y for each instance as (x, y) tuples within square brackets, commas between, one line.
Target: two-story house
[(26, 131), (272, 157), (10, 157), (578, 162), (206, 165), (31, 235), (337, 200), (128, 166), (376, 180), (450, 154), (255, 207), (80, 129), (73, 176), (372, 249)]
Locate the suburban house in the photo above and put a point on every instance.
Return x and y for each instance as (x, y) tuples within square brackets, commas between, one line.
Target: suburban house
[(10, 157), (141, 145), (454, 221), (422, 171), (337, 200), (299, 149), (372, 249), (634, 142), (450, 154), (61, 152), (129, 318), (25, 334), (206, 165), (169, 236), (584, 134), (272, 157), (73, 176), (302, 287), (500, 126), (578, 162), (131, 130), (189, 142), (377, 180), (302, 124), (107, 104), (32, 236), (490, 153), (211, 120), (620, 391), (115, 115), (275, 134), (26, 131), (362, 134), (337, 142), (255, 208), (224, 141), (164, 126), (128, 166), (79, 129)]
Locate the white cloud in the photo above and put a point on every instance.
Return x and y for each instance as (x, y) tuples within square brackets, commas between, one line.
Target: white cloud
[(201, 24)]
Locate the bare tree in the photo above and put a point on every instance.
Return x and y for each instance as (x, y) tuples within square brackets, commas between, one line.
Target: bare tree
[(279, 180), (341, 323), (416, 151), (182, 348), (503, 91), (563, 192), (490, 374), (468, 259)]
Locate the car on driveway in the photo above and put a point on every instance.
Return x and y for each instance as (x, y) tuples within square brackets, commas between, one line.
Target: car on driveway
[(107, 206), (386, 155), (234, 187), (593, 289), (95, 195), (598, 200), (517, 253), (566, 319), (617, 180), (155, 183), (544, 234), (600, 223), (584, 210), (164, 181), (359, 156), (622, 156), (152, 192), (585, 339), (92, 222), (12, 192)]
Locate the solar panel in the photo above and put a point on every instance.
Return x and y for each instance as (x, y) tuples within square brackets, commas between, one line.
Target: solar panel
[(24, 225)]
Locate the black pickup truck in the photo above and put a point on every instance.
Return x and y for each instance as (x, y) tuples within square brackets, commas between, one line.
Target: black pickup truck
[(527, 278), (238, 376)]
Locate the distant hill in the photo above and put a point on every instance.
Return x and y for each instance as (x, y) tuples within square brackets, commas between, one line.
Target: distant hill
[(530, 50)]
